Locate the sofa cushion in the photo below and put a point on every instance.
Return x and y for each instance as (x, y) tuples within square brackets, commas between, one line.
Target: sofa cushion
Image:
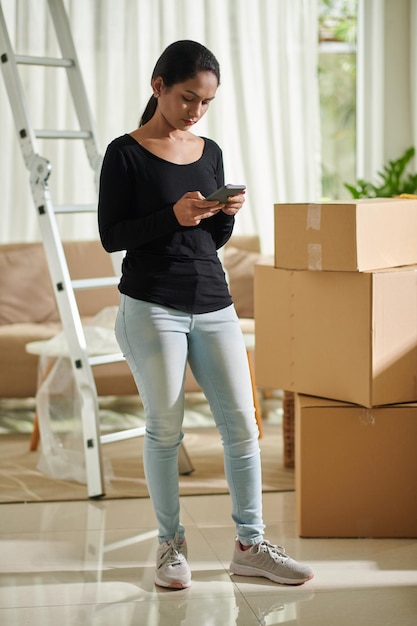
[(26, 293), (239, 265), (88, 259)]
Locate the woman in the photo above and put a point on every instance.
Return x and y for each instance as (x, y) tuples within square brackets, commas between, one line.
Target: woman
[(175, 306)]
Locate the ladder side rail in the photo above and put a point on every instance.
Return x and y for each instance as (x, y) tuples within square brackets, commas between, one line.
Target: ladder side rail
[(76, 84), (16, 95), (73, 329)]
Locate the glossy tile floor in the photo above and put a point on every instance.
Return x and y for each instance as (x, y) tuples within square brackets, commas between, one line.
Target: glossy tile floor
[(91, 563)]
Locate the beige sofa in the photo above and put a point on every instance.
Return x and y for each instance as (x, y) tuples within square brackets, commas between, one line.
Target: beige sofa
[(28, 310)]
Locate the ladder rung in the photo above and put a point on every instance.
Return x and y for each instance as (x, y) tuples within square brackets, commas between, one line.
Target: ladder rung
[(23, 59), (123, 434), (105, 359), (95, 283), (63, 134), (75, 208)]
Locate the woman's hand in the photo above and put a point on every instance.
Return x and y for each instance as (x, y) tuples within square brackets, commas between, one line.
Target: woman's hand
[(192, 208), (234, 204)]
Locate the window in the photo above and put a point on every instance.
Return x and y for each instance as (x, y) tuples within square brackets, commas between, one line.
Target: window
[(337, 88)]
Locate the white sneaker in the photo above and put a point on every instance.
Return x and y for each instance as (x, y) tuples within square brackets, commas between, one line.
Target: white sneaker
[(172, 569), (269, 561)]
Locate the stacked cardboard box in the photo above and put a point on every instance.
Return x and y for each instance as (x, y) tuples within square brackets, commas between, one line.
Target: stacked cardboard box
[(336, 319)]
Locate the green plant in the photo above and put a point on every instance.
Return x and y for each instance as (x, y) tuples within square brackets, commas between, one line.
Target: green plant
[(337, 20), (395, 180)]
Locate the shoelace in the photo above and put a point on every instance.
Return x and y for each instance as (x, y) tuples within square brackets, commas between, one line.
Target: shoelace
[(171, 554), (276, 552)]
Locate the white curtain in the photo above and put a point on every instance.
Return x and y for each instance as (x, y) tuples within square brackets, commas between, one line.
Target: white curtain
[(386, 83), (370, 91), (265, 116)]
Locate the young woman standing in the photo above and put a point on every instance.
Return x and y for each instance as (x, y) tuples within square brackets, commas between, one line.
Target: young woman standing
[(176, 307)]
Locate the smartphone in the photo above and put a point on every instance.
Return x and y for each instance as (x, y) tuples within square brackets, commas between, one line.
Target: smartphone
[(225, 192)]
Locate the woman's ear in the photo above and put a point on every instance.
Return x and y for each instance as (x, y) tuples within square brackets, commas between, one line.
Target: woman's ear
[(157, 84)]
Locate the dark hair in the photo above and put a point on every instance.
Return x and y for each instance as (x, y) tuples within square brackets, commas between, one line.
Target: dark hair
[(179, 62)]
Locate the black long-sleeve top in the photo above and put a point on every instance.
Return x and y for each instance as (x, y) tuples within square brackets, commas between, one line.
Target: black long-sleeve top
[(165, 263)]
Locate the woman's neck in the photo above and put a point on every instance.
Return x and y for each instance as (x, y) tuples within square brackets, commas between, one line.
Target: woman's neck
[(180, 147)]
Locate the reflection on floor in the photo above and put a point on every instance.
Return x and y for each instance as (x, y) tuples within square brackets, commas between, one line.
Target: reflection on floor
[(91, 563)]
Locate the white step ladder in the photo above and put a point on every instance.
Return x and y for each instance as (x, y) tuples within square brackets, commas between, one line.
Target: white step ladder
[(40, 169)]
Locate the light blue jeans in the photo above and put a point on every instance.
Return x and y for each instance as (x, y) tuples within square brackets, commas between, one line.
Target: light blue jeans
[(157, 341)]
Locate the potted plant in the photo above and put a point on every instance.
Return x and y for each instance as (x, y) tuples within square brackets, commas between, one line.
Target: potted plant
[(395, 180)]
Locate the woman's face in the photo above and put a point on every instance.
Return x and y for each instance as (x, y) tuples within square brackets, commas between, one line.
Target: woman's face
[(184, 104)]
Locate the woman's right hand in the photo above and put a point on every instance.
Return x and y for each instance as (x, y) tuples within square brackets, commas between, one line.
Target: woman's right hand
[(192, 208)]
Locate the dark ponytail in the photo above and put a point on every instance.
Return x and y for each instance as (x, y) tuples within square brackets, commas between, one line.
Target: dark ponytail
[(179, 62), (149, 110)]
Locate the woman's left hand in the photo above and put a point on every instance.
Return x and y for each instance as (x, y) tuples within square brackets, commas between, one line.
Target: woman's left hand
[(234, 204)]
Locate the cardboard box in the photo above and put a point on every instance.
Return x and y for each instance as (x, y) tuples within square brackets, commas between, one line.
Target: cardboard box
[(349, 336), (358, 235), (356, 469)]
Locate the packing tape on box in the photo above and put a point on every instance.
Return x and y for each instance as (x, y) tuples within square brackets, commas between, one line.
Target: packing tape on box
[(314, 216), (314, 256), (367, 417), (314, 249)]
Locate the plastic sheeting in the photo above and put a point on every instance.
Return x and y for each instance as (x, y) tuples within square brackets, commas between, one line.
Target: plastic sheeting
[(58, 402)]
